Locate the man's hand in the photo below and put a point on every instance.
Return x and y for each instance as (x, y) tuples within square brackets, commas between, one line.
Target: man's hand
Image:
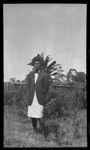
[(33, 69)]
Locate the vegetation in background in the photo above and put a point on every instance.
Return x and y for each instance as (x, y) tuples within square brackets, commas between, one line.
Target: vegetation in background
[(65, 99)]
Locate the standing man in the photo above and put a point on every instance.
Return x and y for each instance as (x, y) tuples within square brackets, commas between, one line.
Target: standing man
[(39, 86)]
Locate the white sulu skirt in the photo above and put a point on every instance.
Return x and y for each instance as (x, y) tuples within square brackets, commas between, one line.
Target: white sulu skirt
[(35, 110)]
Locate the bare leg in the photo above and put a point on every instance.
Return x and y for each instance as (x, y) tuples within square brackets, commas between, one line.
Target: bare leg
[(43, 127), (34, 124)]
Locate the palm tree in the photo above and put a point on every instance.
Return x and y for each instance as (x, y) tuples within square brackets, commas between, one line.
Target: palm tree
[(49, 66)]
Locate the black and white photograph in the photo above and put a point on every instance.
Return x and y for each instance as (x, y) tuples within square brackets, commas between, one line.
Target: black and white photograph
[(45, 98)]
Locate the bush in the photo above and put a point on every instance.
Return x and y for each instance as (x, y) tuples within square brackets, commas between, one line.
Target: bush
[(9, 95), (14, 95), (8, 98), (64, 100), (50, 109)]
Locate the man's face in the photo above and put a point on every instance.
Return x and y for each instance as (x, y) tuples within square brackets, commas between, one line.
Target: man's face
[(74, 73), (37, 65)]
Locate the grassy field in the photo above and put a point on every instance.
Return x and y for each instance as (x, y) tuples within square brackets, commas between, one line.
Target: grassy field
[(18, 131)]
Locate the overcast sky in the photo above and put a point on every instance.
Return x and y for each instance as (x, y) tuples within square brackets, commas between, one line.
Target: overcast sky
[(58, 30)]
